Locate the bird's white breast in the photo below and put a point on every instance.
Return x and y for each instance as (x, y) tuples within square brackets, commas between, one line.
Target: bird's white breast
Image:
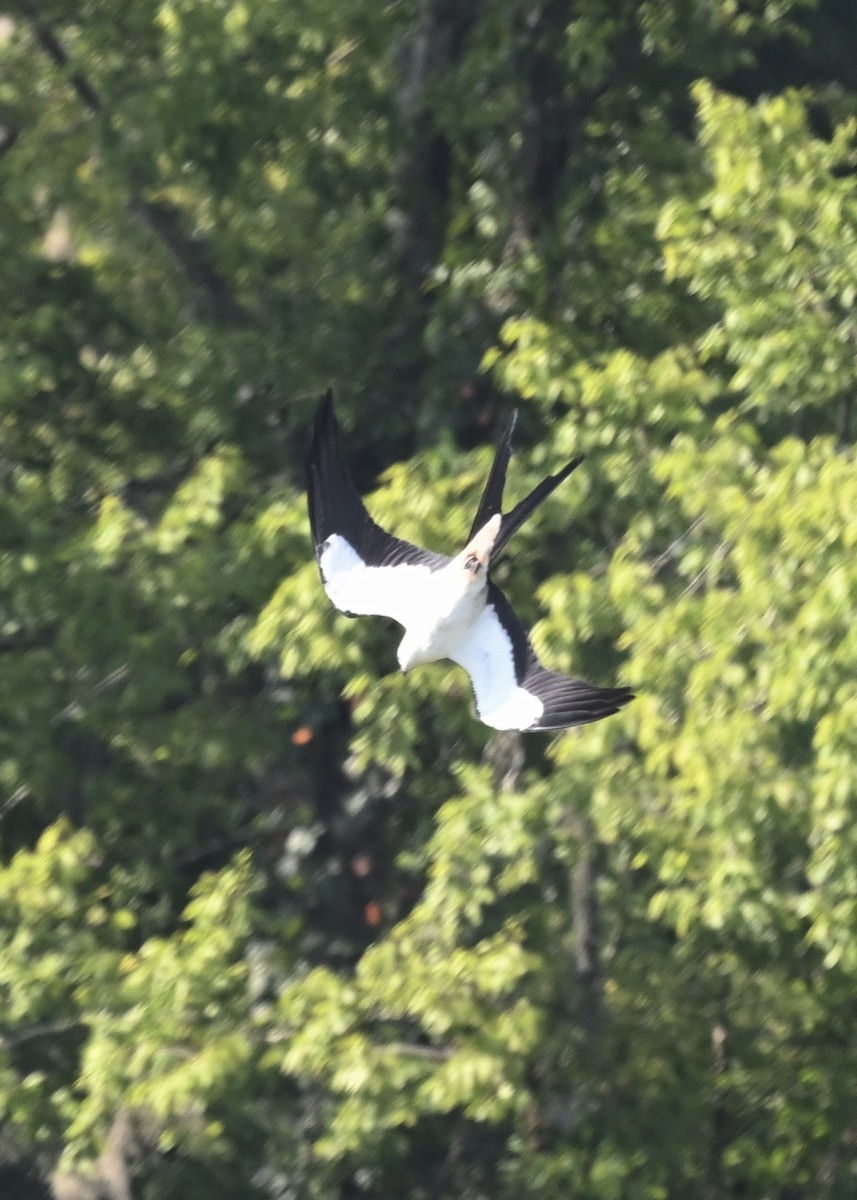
[(444, 610)]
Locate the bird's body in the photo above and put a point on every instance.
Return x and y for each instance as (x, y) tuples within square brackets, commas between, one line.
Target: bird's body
[(448, 610), (436, 607), (449, 607)]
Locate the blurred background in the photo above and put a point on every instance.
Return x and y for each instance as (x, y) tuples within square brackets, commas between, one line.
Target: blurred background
[(277, 922)]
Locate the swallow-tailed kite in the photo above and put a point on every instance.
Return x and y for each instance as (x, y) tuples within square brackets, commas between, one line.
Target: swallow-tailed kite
[(448, 606)]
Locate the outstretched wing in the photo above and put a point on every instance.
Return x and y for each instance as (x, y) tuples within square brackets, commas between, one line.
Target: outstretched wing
[(512, 688), (492, 497), (365, 570)]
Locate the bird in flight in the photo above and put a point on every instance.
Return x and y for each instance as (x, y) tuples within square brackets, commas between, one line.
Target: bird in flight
[(449, 607)]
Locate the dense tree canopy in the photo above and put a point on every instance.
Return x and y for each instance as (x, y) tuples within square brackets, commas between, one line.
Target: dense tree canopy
[(275, 920)]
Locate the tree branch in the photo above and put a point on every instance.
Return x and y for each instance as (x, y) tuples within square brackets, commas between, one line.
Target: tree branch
[(165, 222), (189, 254), (59, 56), (9, 135), (585, 934), (553, 115), (46, 1029), (423, 171)]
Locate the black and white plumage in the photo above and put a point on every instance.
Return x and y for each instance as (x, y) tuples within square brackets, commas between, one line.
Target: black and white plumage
[(448, 606)]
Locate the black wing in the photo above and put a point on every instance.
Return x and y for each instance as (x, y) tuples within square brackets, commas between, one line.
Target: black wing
[(335, 506), (566, 701)]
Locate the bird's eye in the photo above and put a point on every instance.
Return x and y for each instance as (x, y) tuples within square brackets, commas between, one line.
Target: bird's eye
[(472, 563)]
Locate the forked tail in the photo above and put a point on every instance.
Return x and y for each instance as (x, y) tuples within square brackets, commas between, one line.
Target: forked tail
[(492, 497)]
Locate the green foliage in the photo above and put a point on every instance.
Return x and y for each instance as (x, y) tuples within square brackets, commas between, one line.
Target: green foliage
[(773, 242), (437, 1017), (158, 1023), (276, 920), (166, 1032)]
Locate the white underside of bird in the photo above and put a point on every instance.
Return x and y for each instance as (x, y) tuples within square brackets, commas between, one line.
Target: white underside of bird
[(448, 607), (445, 615)]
